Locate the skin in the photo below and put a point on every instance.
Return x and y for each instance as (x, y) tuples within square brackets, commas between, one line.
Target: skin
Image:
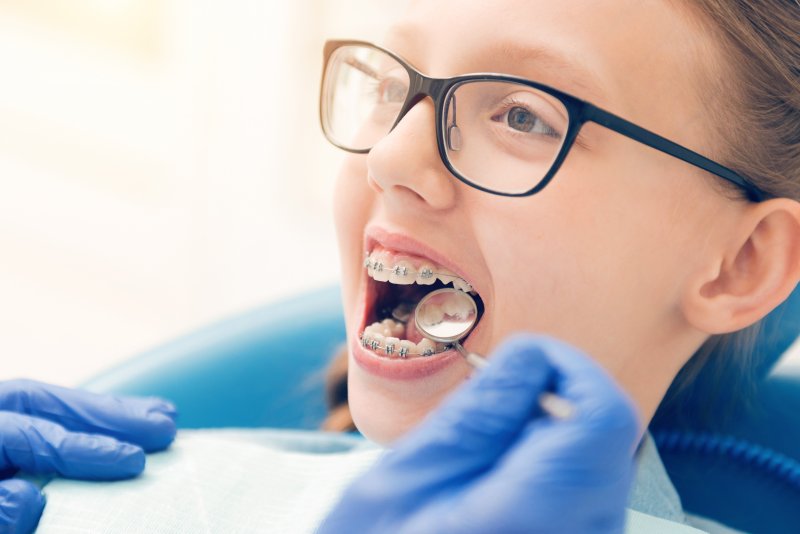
[(629, 254)]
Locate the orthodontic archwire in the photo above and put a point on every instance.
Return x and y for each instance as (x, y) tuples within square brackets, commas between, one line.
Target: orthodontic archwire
[(390, 348), (398, 270)]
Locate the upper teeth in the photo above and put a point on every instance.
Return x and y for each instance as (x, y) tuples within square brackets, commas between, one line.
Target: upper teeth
[(403, 272)]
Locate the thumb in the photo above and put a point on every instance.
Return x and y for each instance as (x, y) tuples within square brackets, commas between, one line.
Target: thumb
[(482, 419), (21, 505)]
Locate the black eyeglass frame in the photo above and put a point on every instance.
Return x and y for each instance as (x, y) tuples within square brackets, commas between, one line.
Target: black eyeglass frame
[(579, 111)]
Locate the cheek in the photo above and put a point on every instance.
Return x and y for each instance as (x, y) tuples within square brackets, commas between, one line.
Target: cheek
[(348, 198), (598, 271), (353, 201)]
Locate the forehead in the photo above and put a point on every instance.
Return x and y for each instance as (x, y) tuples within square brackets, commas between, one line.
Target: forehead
[(619, 54)]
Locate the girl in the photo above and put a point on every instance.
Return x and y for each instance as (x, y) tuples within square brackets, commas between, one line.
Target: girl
[(625, 251), (626, 180), (563, 219)]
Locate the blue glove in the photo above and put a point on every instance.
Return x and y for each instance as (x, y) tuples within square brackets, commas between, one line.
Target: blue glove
[(50, 430), (489, 460)]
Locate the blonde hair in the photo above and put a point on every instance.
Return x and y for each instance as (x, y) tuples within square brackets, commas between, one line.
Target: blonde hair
[(756, 118), (756, 110)]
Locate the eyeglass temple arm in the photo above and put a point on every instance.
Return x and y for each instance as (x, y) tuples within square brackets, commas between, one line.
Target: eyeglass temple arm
[(653, 140)]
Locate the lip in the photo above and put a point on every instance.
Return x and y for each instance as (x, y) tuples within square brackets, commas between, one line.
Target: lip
[(376, 235), (412, 368), (397, 369)]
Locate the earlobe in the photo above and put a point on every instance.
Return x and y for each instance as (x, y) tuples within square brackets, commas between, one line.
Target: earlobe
[(753, 274)]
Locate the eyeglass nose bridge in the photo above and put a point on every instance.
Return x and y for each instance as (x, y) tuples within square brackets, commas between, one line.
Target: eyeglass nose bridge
[(420, 87)]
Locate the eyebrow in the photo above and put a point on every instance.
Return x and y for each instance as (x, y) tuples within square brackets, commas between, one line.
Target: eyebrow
[(550, 62), (558, 69)]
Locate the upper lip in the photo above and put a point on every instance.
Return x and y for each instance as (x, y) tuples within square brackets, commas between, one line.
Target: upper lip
[(399, 242)]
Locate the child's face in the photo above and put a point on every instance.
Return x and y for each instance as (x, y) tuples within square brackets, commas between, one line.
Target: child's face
[(598, 258)]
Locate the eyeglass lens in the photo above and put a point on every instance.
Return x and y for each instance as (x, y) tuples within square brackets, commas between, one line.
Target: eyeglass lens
[(500, 135)]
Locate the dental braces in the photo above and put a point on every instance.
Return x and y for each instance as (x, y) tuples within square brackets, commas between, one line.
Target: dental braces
[(403, 271), (403, 352)]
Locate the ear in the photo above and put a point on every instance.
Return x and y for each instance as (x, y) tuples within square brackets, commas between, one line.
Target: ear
[(754, 272)]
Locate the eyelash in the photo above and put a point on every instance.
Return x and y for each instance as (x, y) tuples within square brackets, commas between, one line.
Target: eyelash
[(580, 140), (510, 103)]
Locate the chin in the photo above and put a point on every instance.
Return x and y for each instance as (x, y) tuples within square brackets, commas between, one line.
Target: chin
[(384, 409), (380, 428)]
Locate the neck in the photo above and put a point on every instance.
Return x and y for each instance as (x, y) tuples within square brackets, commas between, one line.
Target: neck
[(647, 375)]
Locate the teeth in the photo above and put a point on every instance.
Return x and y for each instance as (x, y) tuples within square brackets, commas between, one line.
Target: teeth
[(407, 347), (380, 266), (446, 279), (376, 339), (426, 347), (392, 328), (425, 275), (392, 344), (433, 315), (381, 270), (463, 285), (453, 309), (385, 327), (402, 273)]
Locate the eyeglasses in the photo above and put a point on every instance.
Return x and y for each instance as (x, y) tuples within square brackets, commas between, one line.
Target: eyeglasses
[(501, 134)]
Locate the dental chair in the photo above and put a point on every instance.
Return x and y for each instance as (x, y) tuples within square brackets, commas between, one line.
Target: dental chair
[(266, 368)]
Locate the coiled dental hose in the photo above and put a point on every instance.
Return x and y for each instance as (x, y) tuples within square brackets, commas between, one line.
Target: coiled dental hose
[(741, 451)]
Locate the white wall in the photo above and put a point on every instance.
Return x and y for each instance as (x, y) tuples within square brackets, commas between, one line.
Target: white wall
[(161, 166)]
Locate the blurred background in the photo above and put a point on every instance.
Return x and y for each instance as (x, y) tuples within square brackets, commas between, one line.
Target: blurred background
[(161, 167)]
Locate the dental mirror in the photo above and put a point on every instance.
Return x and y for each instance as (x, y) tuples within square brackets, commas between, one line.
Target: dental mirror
[(448, 315)]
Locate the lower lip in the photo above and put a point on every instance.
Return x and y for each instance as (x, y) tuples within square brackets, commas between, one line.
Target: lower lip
[(402, 369)]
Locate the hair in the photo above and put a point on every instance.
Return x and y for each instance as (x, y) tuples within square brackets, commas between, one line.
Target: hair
[(757, 122), (339, 418), (757, 129)]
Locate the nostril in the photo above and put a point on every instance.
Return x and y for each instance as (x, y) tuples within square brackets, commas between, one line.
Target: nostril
[(414, 195)]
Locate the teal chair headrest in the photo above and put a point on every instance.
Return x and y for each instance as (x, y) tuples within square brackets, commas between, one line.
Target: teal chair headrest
[(778, 331)]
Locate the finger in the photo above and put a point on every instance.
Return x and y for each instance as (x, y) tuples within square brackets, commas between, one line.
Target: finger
[(479, 421), (603, 429), (590, 487), (577, 459), (598, 400), (146, 421), (41, 447), (21, 505)]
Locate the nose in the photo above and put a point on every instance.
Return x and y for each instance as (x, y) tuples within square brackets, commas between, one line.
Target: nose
[(405, 166)]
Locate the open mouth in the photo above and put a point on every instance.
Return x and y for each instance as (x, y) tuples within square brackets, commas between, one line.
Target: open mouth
[(396, 284)]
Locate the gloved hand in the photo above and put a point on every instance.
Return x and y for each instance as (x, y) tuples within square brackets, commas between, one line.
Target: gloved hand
[(489, 460), (51, 430)]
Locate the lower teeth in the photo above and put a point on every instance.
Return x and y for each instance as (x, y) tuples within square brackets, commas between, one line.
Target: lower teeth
[(402, 312), (382, 337)]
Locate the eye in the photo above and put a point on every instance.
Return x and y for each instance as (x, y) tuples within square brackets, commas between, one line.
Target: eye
[(523, 120)]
